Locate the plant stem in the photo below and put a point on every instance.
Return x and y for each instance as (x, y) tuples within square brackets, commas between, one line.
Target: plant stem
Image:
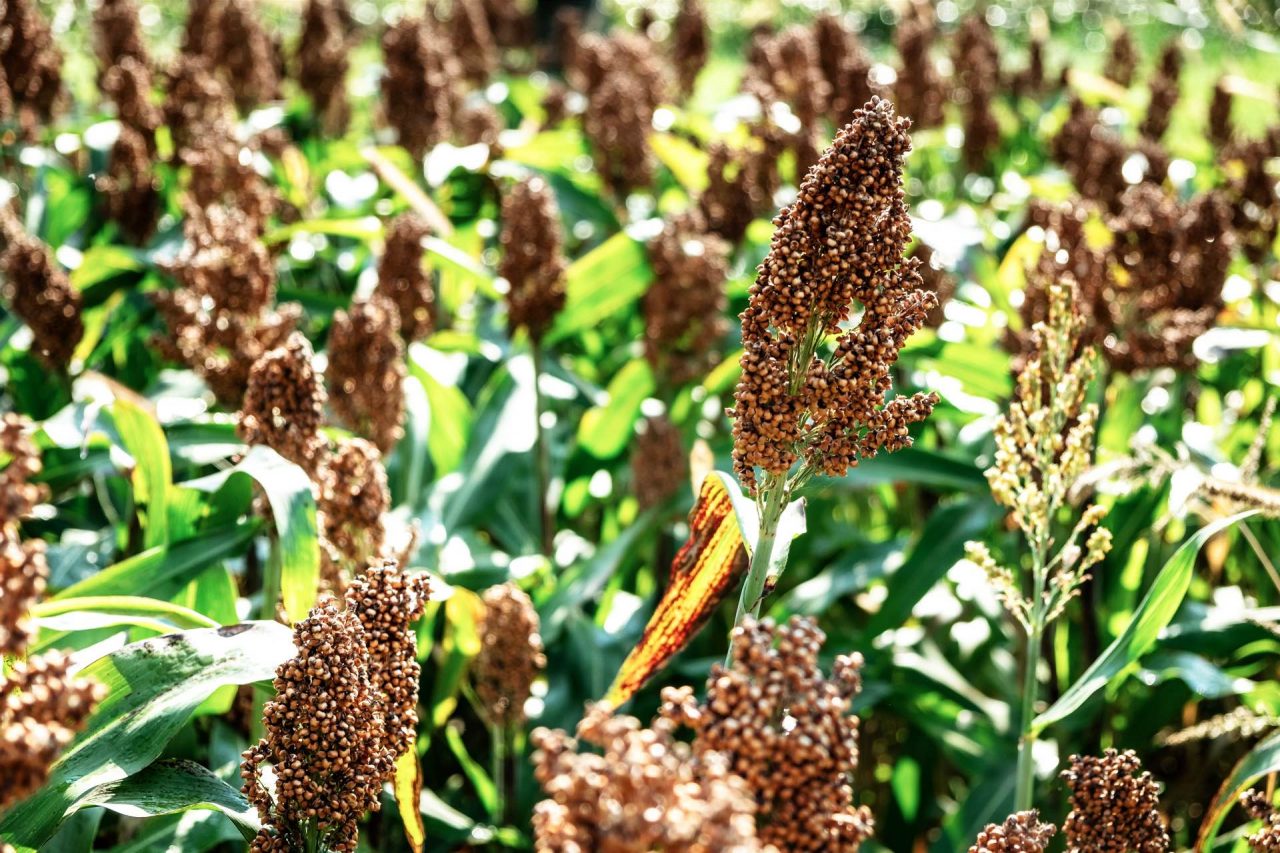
[(498, 769), (773, 491), (1026, 743), (270, 584), (543, 460)]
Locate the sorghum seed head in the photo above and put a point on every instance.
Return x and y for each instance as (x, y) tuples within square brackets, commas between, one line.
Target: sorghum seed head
[(366, 370), (284, 404), (511, 656), (532, 257), (1112, 809)]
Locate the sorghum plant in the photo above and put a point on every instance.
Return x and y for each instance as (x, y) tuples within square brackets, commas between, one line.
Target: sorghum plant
[(1043, 444), (802, 410)]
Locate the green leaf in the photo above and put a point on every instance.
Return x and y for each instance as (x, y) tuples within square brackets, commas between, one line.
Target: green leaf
[(940, 546), (163, 571), (920, 466), (293, 508), (606, 430), (485, 788), (451, 415), (152, 689), (100, 263), (1153, 614), (604, 283), (60, 616), (152, 473), (1262, 760), (172, 786), (687, 162)]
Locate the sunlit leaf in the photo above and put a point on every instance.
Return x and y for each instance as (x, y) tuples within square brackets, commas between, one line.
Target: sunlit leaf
[(704, 569)]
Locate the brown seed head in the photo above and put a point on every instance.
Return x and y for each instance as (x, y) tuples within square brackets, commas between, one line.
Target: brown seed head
[(322, 62), (511, 657), (418, 90), (118, 33), (841, 240), (31, 65), (366, 370), (659, 464), (1164, 92), (130, 191), (647, 791), (1258, 805), (402, 279), (684, 306), (325, 739), (919, 91), (690, 43), (532, 257), (786, 730), (352, 498), (244, 54), (472, 41), (387, 602), (845, 65), (39, 292), (284, 404), (1113, 810), (1020, 833)]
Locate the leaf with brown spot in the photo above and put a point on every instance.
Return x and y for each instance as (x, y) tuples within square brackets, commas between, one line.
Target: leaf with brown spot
[(708, 564)]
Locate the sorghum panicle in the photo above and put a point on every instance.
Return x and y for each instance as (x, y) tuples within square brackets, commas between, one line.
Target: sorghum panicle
[(42, 707), (786, 68), (977, 62), (1259, 807), (130, 190), (284, 404), (533, 262), (479, 122), (624, 83), (1020, 833), (118, 33), (128, 84), (196, 99), (403, 280), (1220, 114), (1164, 92), (366, 370), (1112, 809), (245, 54), (1095, 155), (684, 306), (647, 791), (741, 183), (1123, 61), (31, 64), (511, 656), (659, 464), (38, 291), (417, 90), (18, 495), (690, 43), (386, 601), (352, 496), (322, 59), (935, 279), (797, 772), (845, 65), (472, 41), (1255, 206), (841, 240), (919, 91), (325, 739), (222, 174)]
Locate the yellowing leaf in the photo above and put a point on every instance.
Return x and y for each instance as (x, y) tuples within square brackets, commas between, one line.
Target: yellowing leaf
[(703, 570), (408, 790)]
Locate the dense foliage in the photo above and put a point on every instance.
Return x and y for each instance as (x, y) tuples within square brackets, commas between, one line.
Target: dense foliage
[(690, 426)]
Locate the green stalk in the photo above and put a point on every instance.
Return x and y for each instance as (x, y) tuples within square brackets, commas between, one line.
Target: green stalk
[(1030, 683), (773, 491), (1026, 743), (271, 583), (543, 460), (498, 769)]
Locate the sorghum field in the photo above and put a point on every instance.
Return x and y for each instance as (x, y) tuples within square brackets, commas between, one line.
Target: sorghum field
[(691, 425)]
